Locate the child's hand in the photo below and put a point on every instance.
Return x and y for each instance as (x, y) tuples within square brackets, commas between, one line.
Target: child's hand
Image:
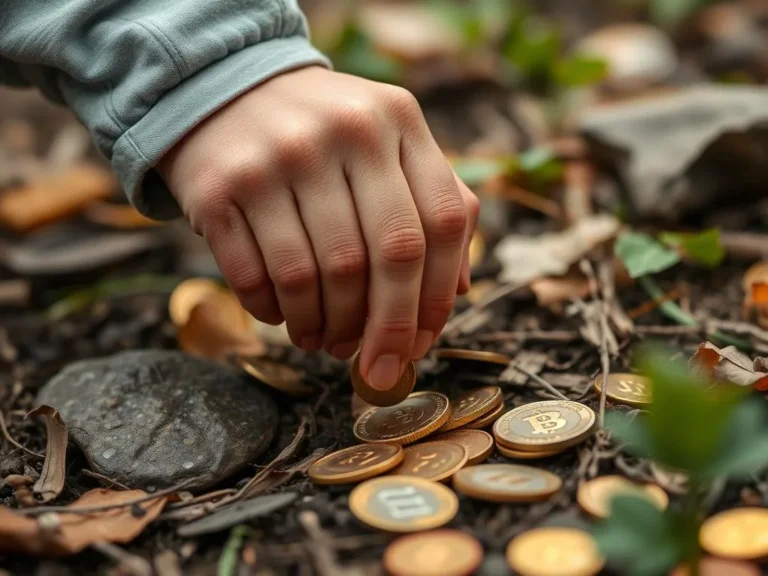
[(327, 203)]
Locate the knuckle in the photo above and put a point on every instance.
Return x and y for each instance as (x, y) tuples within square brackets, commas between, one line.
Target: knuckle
[(346, 261), (402, 243), (298, 145), (447, 218), (437, 306), (396, 326), (215, 212), (359, 122), (249, 280), (294, 271), (402, 103)]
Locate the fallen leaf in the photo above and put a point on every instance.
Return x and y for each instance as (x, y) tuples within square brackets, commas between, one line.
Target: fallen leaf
[(643, 255), (237, 513), (555, 290), (51, 481), (120, 216), (60, 534), (702, 247), (187, 295), (730, 365)]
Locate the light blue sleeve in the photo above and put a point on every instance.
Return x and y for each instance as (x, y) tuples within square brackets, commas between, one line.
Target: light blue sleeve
[(141, 73)]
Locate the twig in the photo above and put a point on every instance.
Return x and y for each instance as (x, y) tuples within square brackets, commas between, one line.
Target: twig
[(201, 499), (103, 478), (739, 328), (323, 555), (10, 439), (541, 381), (536, 335), (668, 330), (505, 290), (605, 360)]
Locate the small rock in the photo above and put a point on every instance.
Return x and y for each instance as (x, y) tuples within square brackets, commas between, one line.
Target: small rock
[(157, 418), (11, 465)]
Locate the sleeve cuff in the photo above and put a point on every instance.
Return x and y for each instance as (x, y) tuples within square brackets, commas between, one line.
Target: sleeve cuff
[(177, 112)]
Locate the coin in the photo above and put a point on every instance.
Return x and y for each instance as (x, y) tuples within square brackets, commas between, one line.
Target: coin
[(738, 534), (548, 425), (506, 483), (475, 355), (356, 463), (554, 552), (403, 503), (278, 376), (394, 395), (488, 419), (520, 455), (629, 389), (187, 295), (719, 567), (471, 405), (477, 443), (435, 553), (595, 496), (416, 417), (432, 460)]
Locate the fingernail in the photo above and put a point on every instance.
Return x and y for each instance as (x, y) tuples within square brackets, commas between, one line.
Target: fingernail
[(310, 343), (422, 344), (385, 372), (345, 350)]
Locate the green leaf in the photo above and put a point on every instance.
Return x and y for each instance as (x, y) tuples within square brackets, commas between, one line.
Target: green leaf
[(356, 55), (643, 255), (744, 445), (669, 13), (703, 247), (477, 171), (534, 47), (230, 556), (580, 71), (541, 166), (633, 432)]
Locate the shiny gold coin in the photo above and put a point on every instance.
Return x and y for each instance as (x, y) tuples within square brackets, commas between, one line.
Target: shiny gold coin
[(488, 419), (434, 461), (394, 395), (521, 455), (435, 553), (356, 463), (629, 389), (403, 503), (475, 355), (471, 405), (278, 376), (554, 552), (478, 444), (738, 534), (506, 483), (718, 567), (189, 294), (549, 425), (595, 496), (416, 417)]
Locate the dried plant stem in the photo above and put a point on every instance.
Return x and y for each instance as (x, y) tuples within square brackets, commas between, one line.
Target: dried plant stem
[(551, 389), (10, 439)]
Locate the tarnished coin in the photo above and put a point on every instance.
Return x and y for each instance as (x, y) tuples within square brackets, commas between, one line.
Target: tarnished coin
[(432, 460), (549, 425), (738, 534), (435, 553), (278, 376), (475, 355), (403, 503), (356, 463), (719, 567), (488, 419), (629, 389), (478, 444), (394, 395), (595, 496), (506, 483), (554, 552), (416, 417), (471, 405), (521, 455)]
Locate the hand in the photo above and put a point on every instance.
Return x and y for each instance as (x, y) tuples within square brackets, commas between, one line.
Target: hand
[(328, 204)]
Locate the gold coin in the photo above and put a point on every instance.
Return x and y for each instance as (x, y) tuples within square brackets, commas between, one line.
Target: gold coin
[(478, 444), (506, 483), (629, 389), (434, 461), (738, 534), (278, 376), (595, 496), (403, 503), (356, 463), (471, 405), (487, 419), (394, 395), (435, 553), (719, 567), (189, 294), (554, 552), (416, 417), (520, 455), (549, 425), (476, 355)]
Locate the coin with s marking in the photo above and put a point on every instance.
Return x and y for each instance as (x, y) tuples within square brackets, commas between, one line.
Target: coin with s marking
[(394, 395), (478, 443), (554, 552), (414, 418), (629, 389), (506, 483), (434, 461), (594, 496), (488, 419), (434, 553), (471, 405), (474, 355), (738, 534), (278, 376), (549, 425), (356, 463)]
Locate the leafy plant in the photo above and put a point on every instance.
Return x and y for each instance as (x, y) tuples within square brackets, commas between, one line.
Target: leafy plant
[(537, 166), (702, 248), (703, 429)]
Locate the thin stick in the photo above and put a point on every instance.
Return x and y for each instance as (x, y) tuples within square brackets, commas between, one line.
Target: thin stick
[(551, 389), (542, 335), (605, 361), (10, 439), (103, 478)]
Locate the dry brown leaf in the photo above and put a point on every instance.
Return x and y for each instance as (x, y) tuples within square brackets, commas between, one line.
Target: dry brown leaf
[(51, 481), (730, 365), (555, 290), (55, 534), (120, 216)]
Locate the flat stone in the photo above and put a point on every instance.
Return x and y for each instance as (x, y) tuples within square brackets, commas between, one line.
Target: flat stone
[(155, 418)]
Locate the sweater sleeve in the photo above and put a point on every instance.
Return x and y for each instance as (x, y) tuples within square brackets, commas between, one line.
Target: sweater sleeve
[(142, 73)]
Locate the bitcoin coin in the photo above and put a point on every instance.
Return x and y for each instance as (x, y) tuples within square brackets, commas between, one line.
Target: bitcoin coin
[(474, 355), (520, 455), (471, 405), (394, 395), (434, 461), (506, 483), (629, 389), (549, 425), (403, 503), (595, 496), (719, 567), (416, 417), (435, 553), (356, 463), (554, 552), (488, 419), (738, 534), (478, 444), (278, 376)]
